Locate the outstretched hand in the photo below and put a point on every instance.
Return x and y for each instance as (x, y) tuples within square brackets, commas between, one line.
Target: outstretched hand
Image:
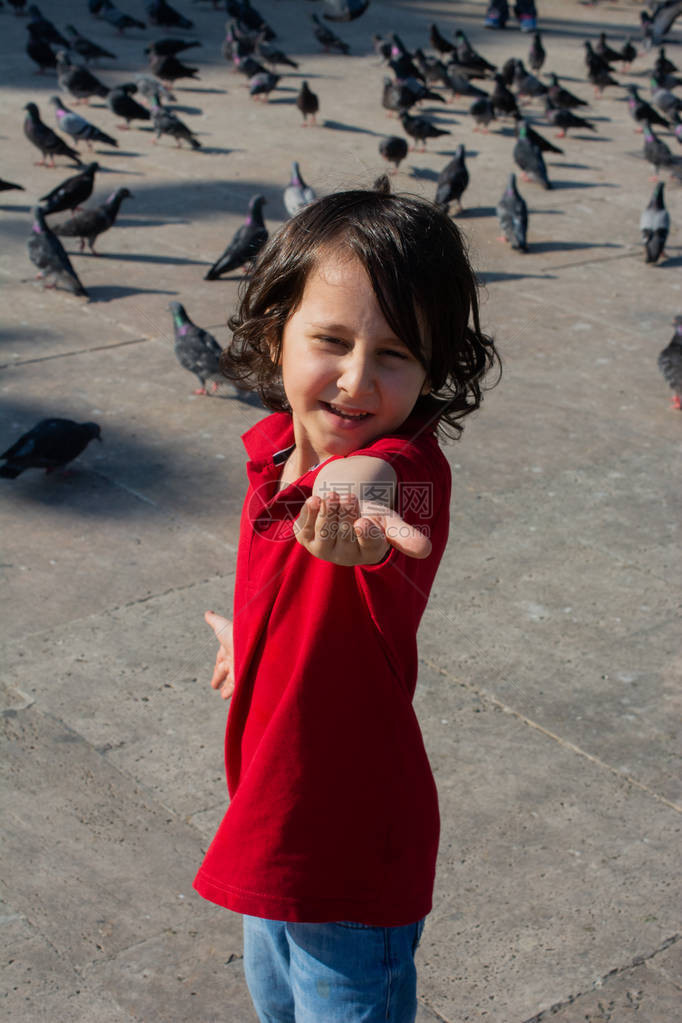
[(223, 673), (333, 529)]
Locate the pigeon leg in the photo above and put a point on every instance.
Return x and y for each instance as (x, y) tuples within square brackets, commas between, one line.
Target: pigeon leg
[(502, 238), (676, 402), (199, 390), (560, 134), (91, 243), (82, 243), (215, 386), (123, 127)]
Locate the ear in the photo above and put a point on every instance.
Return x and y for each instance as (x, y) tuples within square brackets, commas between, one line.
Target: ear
[(426, 387)]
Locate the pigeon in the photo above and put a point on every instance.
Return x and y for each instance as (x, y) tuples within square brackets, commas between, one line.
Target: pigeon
[(670, 364), (561, 97), (381, 47), (419, 128), (663, 66), (402, 66), (438, 41), (44, 29), (483, 112), (565, 119), (452, 181), (627, 54), (18, 5), (326, 38), (297, 194), (394, 149), (467, 56), (512, 212), (170, 69), (502, 99), (50, 444), (529, 158), (119, 19), (89, 224), (656, 151), (536, 54), (40, 52), (151, 88), (641, 111), (121, 103), (508, 70), (655, 225), (159, 12), (80, 82), (246, 242), (433, 70), (244, 12), (543, 144), (657, 25), (667, 101), (395, 96), (85, 48), (606, 52), (168, 47), (459, 85), (196, 349), (527, 84), (72, 192), (77, 127), (9, 186), (308, 103), (344, 10), (262, 84), (47, 141), (272, 56), (598, 73), (167, 123), (249, 66), (47, 253), (594, 61)]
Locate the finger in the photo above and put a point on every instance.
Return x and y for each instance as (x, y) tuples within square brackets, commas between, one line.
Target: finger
[(348, 513), (405, 538), (217, 622), (304, 525), (371, 540), (328, 519)]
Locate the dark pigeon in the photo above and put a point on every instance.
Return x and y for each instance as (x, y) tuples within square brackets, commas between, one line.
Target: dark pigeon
[(670, 364), (9, 186), (43, 138), (452, 181), (119, 19), (243, 11), (529, 158), (44, 29), (438, 41), (468, 57), (655, 225), (40, 52), (543, 144), (169, 47), (460, 85), (536, 54), (483, 112), (308, 103), (502, 99), (170, 69), (77, 127), (641, 111), (85, 48), (512, 212), (89, 224), (196, 349), (120, 101), (656, 151), (167, 123), (50, 445), (564, 119), (249, 66), (627, 54), (561, 97), (394, 149), (326, 38), (421, 129), (606, 52), (47, 253), (527, 84), (263, 84), (274, 57), (80, 82), (72, 192), (159, 12), (246, 243), (344, 10), (297, 194)]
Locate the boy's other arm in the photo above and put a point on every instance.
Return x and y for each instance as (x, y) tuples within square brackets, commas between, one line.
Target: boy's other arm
[(350, 520), (223, 672)]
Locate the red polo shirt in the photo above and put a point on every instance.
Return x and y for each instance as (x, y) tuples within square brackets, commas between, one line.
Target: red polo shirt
[(333, 812)]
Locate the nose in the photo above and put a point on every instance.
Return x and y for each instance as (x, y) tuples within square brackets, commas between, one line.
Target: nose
[(357, 375)]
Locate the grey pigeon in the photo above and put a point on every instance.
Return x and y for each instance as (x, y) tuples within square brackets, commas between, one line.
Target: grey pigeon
[(655, 225), (43, 138), (563, 98), (419, 128), (161, 13), (564, 119), (71, 193), (297, 194), (272, 56), (119, 19), (77, 127), (151, 88), (246, 243), (120, 101), (344, 10), (263, 84), (196, 349), (47, 253), (308, 103), (167, 123), (77, 80), (512, 212), (483, 112), (89, 224), (527, 84), (543, 144), (394, 149), (670, 364), (327, 39), (50, 445), (44, 29), (656, 151), (641, 111), (656, 26), (529, 158), (85, 48), (452, 181)]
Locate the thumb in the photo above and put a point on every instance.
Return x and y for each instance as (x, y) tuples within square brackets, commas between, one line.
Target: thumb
[(217, 622), (400, 534)]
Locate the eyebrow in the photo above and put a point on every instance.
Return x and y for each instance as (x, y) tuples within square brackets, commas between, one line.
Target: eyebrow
[(340, 328)]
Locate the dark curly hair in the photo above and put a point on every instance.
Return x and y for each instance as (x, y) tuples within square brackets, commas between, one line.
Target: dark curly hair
[(420, 272)]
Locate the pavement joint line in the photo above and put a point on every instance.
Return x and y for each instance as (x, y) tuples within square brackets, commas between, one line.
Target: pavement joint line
[(540, 1017), (76, 351), (587, 262), (427, 1005), (486, 695)]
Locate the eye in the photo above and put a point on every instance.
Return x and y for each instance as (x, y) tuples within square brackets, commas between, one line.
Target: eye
[(397, 354)]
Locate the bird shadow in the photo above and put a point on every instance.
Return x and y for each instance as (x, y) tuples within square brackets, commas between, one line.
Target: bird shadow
[(583, 184), (282, 101), (571, 166), (424, 173), (672, 261), (128, 154), (183, 110), (132, 222), (559, 246), (109, 292), (15, 209), (490, 277), (476, 211), (340, 126), (216, 150), (144, 257), (198, 88)]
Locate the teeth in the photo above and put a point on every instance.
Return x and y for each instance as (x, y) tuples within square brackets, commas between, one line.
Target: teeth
[(349, 415)]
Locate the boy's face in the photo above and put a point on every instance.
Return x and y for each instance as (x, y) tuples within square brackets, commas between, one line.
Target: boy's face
[(340, 355)]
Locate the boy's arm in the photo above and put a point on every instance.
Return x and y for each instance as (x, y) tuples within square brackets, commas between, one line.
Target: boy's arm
[(350, 520), (223, 672)]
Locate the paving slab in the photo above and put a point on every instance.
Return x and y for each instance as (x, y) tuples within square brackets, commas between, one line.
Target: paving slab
[(549, 676)]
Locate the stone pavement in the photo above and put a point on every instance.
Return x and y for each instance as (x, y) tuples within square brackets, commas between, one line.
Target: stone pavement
[(550, 656)]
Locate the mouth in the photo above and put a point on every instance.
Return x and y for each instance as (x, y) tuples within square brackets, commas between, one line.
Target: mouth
[(344, 413)]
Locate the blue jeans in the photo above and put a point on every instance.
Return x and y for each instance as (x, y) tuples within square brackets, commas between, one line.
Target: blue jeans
[(332, 972)]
